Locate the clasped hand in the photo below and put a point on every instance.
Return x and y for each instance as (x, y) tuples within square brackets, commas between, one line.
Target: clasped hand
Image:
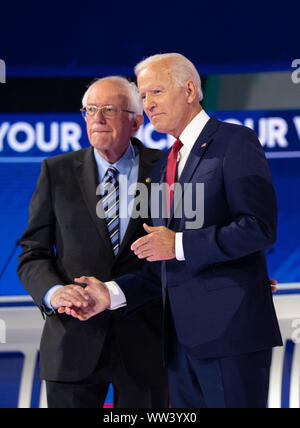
[(79, 302), (84, 303)]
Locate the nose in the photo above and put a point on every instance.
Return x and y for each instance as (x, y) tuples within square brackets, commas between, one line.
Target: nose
[(148, 102), (99, 117)]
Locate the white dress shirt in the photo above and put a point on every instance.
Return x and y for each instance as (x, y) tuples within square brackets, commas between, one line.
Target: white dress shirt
[(188, 138)]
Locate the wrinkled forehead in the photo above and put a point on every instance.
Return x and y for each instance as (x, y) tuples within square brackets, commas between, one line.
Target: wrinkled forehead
[(106, 93), (156, 74)]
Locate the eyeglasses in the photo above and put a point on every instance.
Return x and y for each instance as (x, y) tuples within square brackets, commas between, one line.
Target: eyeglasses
[(108, 112)]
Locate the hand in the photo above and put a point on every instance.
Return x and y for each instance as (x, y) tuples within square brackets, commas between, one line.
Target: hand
[(99, 299), (159, 244), (273, 284), (70, 295)]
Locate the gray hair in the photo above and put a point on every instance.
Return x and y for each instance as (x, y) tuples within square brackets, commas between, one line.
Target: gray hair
[(134, 99), (182, 69)]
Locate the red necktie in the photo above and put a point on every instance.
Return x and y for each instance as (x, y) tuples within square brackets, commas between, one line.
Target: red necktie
[(171, 168)]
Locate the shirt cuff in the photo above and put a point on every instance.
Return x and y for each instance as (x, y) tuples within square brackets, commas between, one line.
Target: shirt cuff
[(49, 294), (117, 297), (179, 252)]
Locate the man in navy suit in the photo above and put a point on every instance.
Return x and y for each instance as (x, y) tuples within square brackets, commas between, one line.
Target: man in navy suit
[(219, 320)]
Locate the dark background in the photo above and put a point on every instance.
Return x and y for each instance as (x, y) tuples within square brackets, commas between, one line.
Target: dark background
[(76, 39), (52, 49)]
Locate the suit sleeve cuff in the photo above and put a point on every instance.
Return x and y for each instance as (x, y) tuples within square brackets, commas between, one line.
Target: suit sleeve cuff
[(179, 252), (117, 297), (48, 295)]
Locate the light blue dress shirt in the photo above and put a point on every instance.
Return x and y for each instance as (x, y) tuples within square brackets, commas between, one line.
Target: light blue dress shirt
[(128, 167)]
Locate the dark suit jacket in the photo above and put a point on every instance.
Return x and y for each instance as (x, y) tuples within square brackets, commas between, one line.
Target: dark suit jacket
[(219, 297), (65, 239)]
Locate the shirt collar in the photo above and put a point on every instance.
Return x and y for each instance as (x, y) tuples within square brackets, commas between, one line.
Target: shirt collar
[(191, 132), (123, 165)]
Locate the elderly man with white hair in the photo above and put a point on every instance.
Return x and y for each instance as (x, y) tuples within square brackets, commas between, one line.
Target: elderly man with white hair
[(67, 237), (219, 320)]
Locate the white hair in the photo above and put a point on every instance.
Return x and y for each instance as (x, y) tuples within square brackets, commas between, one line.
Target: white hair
[(134, 99), (182, 69)]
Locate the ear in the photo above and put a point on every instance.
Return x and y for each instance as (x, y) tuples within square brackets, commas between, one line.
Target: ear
[(191, 91), (136, 123)]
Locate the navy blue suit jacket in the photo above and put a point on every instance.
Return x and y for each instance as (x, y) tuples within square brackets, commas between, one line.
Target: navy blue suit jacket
[(220, 298)]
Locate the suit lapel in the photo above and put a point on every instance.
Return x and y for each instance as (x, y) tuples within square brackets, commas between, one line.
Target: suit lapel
[(144, 173), (87, 177), (202, 143)]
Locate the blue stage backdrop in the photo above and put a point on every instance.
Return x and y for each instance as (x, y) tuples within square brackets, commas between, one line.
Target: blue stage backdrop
[(26, 139)]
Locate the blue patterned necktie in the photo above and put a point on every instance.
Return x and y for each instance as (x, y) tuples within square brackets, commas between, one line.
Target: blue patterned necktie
[(110, 202)]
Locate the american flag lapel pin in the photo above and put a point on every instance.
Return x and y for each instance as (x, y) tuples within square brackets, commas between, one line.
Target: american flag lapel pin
[(203, 145)]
